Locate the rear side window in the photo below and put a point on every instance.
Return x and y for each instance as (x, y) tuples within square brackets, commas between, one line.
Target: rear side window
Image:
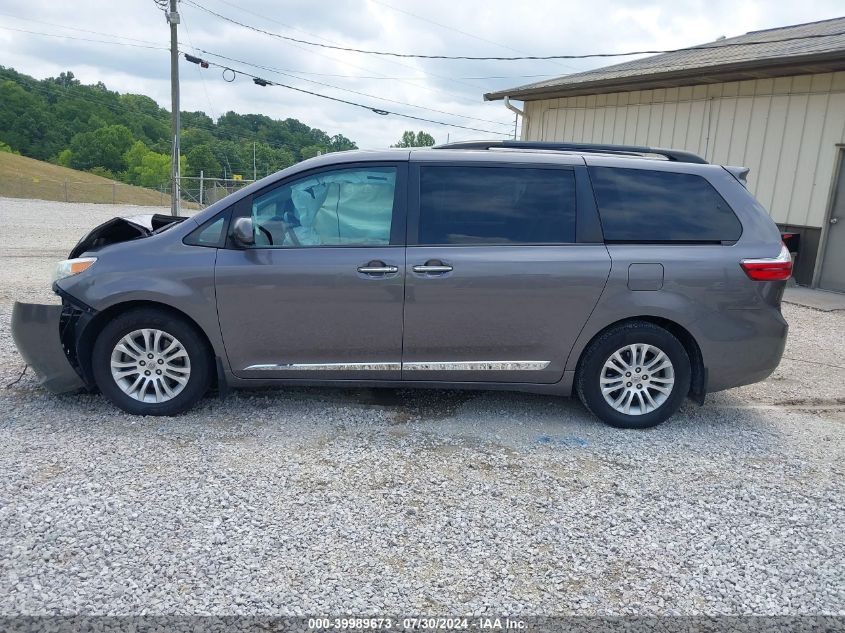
[(638, 205), (496, 205)]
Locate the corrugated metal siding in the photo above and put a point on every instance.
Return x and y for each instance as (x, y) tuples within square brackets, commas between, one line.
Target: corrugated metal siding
[(784, 129)]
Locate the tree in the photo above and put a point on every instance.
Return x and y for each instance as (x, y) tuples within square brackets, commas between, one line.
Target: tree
[(339, 143), (89, 127), (63, 158), (24, 120), (267, 159), (420, 139), (191, 137), (147, 168), (311, 151), (104, 147), (102, 171), (154, 170), (201, 159), (65, 80)]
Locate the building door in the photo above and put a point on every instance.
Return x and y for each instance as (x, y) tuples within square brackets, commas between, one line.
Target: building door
[(833, 262)]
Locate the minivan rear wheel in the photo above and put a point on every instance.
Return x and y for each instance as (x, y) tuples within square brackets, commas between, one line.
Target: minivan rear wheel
[(151, 362), (634, 376)]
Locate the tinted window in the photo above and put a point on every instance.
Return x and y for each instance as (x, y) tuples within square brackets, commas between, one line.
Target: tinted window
[(637, 205), (496, 205), (346, 207)]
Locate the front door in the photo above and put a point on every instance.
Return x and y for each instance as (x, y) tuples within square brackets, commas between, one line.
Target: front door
[(833, 262), (320, 294), (497, 288)]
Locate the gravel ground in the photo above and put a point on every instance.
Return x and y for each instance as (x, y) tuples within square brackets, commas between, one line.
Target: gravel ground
[(320, 501)]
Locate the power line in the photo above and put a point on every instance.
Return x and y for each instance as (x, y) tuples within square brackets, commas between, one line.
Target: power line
[(265, 82), (219, 133), (465, 33), (74, 28), (372, 109), (282, 70), (204, 87), (82, 39), (35, 85), (237, 163), (362, 94), (508, 59), (386, 77), (345, 62)]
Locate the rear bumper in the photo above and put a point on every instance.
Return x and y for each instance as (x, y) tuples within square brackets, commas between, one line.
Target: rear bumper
[(743, 347), (36, 332)]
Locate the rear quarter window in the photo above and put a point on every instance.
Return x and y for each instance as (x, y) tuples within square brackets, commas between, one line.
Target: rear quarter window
[(638, 205)]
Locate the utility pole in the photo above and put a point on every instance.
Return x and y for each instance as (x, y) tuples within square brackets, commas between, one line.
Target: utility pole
[(175, 120), (253, 161)]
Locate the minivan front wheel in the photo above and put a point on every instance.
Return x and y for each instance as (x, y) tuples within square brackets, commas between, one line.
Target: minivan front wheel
[(151, 362), (634, 376)]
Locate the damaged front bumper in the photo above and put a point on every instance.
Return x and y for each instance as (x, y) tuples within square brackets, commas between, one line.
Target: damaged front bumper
[(49, 337), (36, 330)]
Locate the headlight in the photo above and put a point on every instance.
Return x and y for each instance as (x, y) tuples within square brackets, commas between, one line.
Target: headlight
[(71, 267)]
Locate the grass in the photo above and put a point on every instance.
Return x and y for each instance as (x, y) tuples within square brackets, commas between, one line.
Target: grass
[(22, 177)]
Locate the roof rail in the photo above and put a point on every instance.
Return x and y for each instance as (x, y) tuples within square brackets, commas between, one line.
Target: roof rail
[(628, 150)]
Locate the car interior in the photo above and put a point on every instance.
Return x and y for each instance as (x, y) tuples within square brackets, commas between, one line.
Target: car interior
[(337, 208)]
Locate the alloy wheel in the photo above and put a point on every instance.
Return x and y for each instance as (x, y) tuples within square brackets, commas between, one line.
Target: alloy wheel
[(637, 379), (150, 365)]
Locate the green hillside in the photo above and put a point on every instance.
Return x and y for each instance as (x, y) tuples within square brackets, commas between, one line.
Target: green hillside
[(22, 177), (126, 137)]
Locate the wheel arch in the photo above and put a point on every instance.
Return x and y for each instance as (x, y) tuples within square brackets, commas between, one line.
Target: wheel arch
[(698, 377), (85, 342)]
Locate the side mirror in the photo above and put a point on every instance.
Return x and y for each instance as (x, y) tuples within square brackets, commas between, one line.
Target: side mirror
[(243, 232)]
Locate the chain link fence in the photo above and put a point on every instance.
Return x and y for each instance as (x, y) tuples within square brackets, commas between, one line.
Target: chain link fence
[(106, 192), (195, 192), (205, 191)]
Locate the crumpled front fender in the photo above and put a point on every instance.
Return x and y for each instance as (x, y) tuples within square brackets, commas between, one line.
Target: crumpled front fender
[(35, 330)]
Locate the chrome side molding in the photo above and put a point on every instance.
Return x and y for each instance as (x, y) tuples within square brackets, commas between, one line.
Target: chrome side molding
[(325, 367), (474, 365), (478, 365)]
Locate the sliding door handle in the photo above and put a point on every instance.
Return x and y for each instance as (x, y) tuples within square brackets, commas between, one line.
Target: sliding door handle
[(377, 268), (433, 267)]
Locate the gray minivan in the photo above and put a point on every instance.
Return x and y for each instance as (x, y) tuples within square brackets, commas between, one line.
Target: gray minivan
[(632, 276)]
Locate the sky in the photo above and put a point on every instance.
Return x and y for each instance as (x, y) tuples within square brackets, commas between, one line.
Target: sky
[(442, 90)]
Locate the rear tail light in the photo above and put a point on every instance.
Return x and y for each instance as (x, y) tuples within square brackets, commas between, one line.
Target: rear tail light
[(769, 269)]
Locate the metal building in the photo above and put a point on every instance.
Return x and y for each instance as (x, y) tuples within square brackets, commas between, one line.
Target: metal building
[(770, 100)]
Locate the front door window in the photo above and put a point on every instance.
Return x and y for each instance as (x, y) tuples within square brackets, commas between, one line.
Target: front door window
[(347, 207)]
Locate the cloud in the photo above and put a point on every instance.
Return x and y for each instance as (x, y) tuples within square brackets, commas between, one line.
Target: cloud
[(469, 27)]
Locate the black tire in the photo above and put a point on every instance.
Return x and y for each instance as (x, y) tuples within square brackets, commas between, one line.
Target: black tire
[(200, 357), (588, 376)]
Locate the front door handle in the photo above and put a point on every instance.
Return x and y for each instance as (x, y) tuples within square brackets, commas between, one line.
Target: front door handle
[(433, 267), (377, 267)]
